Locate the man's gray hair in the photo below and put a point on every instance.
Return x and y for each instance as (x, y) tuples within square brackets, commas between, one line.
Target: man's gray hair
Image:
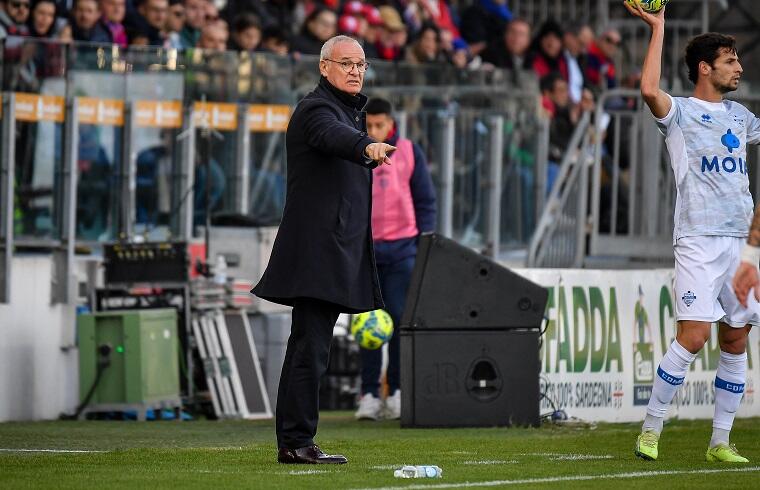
[(328, 46)]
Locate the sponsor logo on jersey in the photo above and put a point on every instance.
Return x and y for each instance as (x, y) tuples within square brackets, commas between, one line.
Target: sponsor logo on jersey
[(728, 164), (707, 118)]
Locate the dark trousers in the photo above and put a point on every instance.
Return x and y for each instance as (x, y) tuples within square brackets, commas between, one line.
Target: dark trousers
[(394, 283), (305, 362)]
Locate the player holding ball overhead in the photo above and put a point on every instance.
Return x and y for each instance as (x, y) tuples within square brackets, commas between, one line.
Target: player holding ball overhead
[(706, 137)]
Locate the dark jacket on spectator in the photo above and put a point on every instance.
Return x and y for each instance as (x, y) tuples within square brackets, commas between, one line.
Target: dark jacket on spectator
[(543, 65), (323, 248), (496, 54), (189, 37)]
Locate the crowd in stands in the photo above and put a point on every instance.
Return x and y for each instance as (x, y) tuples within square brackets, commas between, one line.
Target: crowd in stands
[(482, 34)]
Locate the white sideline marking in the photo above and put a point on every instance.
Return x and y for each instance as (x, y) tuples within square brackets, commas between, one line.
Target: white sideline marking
[(490, 461), (10, 450), (386, 467), (555, 479), (305, 472), (580, 457)]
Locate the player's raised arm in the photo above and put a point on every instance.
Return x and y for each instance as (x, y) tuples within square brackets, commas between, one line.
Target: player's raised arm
[(658, 101)]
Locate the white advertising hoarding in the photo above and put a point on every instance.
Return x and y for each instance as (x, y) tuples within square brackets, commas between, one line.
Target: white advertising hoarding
[(606, 332)]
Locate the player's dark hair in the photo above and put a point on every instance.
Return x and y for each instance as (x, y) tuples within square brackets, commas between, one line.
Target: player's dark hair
[(377, 106), (706, 47)]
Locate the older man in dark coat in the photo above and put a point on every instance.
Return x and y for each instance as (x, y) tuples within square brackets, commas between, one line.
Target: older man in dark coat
[(323, 262)]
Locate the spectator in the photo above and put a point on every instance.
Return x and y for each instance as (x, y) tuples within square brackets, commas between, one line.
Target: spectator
[(546, 52), (573, 51), (152, 18), (213, 37), (427, 47), (246, 33), (600, 66), (42, 21), (175, 22), (564, 116), (555, 99), (393, 35), (352, 26), (483, 22), (275, 40), (114, 12), (14, 15), (374, 25), (86, 23), (435, 11), (195, 19), (319, 26), (509, 52), (461, 56)]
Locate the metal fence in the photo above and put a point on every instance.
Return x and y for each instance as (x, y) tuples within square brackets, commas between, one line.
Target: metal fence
[(104, 144), (631, 197)]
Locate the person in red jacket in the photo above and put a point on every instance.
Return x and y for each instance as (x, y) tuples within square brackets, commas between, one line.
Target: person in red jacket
[(403, 207)]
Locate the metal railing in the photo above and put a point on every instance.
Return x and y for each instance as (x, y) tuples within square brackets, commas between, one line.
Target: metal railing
[(105, 144), (560, 237)]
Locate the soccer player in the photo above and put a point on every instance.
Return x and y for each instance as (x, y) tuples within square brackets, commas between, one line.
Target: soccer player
[(706, 137)]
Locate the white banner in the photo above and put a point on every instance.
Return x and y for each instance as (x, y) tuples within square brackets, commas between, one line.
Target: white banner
[(605, 336)]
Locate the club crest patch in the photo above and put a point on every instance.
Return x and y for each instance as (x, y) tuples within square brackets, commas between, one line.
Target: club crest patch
[(689, 298)]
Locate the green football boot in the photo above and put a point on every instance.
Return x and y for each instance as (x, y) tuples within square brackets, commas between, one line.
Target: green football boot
[(725, 453), (646, 445)]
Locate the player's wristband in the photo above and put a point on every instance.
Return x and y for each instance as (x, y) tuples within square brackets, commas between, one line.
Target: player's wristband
[(750, 254)]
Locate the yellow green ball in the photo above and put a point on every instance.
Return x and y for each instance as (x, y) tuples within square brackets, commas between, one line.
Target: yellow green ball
[(372, 329), (651, 6)]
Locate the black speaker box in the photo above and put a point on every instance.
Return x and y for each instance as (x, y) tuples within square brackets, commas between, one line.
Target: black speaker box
[(469, 378), (453, 287)]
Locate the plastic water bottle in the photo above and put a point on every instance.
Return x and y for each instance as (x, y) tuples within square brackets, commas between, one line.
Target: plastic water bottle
[(220, 270), (423, 471)]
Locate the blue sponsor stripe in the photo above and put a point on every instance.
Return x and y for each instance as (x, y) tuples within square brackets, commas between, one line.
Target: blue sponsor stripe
[(668, 378), (730, 387)]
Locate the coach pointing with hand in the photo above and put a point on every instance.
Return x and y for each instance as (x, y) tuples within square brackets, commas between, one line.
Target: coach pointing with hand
[(323, 262)]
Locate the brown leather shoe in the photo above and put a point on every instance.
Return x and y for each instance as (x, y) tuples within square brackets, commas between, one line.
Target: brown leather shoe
[(308, 455)]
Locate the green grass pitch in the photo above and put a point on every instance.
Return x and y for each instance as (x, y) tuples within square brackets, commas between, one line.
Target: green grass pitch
[(240, 454)]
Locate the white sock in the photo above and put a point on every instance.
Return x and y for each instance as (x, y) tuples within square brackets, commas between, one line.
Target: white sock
[(729, 389), (670, 375)]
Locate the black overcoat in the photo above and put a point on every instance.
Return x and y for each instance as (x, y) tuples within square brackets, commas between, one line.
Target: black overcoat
[(324, 248)]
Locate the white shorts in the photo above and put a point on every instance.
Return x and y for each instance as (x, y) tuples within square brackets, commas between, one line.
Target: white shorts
[(705, 267)]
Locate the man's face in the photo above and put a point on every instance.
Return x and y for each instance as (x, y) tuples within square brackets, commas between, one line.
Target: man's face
[(18, 10), (195, 13), (324, 25), (86, 14), (517, 38), (248, 39), (560, 94), (725, 71), (351, 81), (572, 43), (176, 20), (113, 10), (609, 43), (155, 12), (213, 38), (379, 126)]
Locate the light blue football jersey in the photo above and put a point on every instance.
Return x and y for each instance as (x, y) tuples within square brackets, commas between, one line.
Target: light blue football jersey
[(707, 142)]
